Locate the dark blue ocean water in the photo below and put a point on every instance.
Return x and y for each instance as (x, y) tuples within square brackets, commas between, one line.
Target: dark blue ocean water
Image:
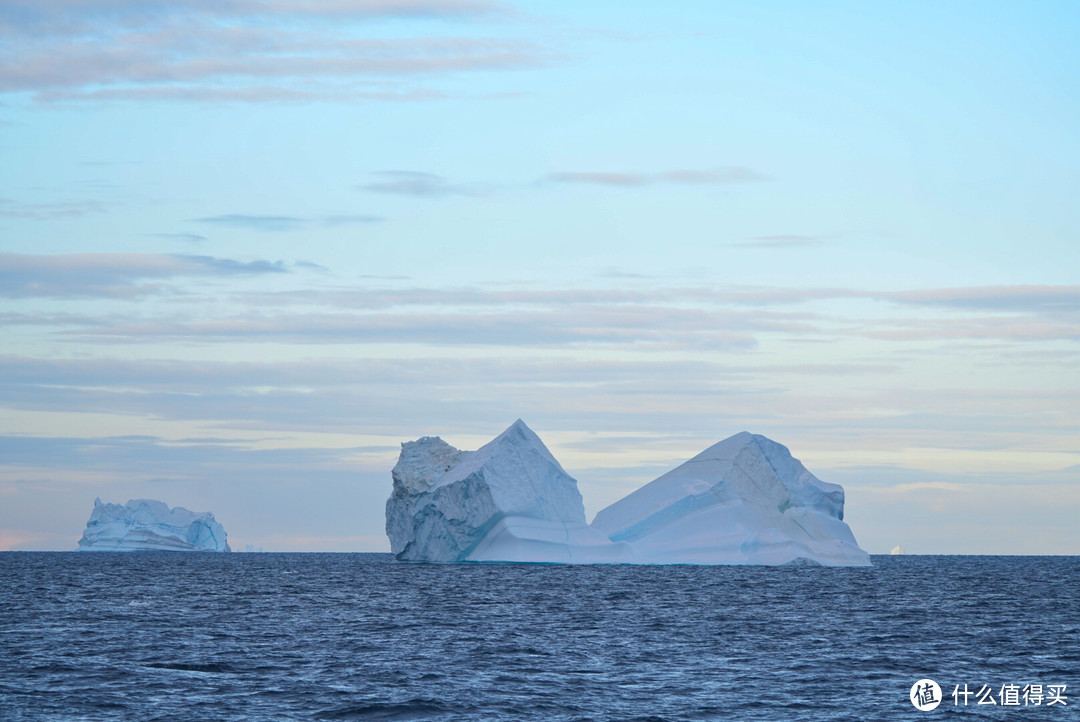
[(160, 636)]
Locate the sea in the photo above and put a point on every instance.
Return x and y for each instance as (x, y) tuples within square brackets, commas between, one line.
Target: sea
[(180, 636)]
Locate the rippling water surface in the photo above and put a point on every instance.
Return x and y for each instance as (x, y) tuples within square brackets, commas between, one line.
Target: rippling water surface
[(160, 636)]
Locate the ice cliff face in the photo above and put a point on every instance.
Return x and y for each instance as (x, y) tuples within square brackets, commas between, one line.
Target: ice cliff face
[(149, 525), (745, 500), (510, 500)]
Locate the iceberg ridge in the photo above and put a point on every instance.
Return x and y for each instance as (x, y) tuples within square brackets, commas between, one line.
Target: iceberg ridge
[(509, 500), (744, 500)]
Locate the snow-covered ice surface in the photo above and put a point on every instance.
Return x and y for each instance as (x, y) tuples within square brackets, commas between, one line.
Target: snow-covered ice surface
[(508, 501), (745, 500), (150, 525)]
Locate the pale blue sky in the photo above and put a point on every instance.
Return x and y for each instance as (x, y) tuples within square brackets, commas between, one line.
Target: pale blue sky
[(250, 247)]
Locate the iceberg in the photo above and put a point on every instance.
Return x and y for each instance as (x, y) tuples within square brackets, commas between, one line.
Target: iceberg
[(150, 525), (745, 500), (508, 501)]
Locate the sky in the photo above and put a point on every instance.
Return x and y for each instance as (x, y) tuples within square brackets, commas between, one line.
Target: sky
[(248, 247)]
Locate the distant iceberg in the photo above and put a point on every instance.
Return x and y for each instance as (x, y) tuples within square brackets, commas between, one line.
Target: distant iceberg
[(745, 500), (150, 525), (897, 550)]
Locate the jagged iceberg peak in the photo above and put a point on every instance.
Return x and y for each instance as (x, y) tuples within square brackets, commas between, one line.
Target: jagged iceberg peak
[(744, 500), (150, 525), (738, 459), (427, 463), (510, 500)]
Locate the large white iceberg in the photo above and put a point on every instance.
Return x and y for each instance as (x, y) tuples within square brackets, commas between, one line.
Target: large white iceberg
[(745, 500), (509, 501), (150, 525)]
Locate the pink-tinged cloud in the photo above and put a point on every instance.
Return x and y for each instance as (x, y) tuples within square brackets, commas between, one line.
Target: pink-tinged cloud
[(1002, 298), (238, 51), (17, 539)]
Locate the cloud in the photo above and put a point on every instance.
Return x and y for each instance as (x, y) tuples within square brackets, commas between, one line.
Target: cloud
[(1030, 298), (329, 392), (185, 237), (607, 179), (428, 185), (255, 94), (159, 459), (112, 275), (256, 223), (311, 266), (719, 318), (276, 224), (451, 297), (238, 50), (49, 211), (68, 15), (344, 220), (622, 326), (423, 185), (988, 328), (687, 177), (375, 396), (208, 265)]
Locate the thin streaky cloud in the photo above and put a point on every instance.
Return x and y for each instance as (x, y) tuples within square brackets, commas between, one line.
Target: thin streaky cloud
[(261, 94), (253, 222), (238, 51), (277, 224), (1015, 329), (57, 16), (418, 184), (185, 237), (50, 211), (112, 275), (1002, 298), (231, 267), (600, 178), (636, 326), (1034, 299)]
